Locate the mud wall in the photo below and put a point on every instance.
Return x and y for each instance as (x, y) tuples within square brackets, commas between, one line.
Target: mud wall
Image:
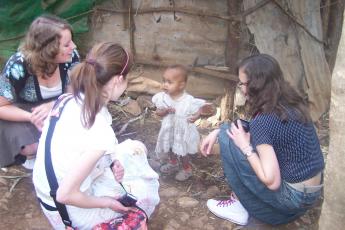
[(161, 33)]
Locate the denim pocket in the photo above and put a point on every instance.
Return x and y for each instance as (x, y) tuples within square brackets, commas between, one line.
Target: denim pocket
[(299, 200), (289, 197), (309, 199)]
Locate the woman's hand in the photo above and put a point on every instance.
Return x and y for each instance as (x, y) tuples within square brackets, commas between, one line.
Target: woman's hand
[(208, 142), (40, 113), (238, 135), (118, 171), (116, 206), (264, 162), (162, 112)]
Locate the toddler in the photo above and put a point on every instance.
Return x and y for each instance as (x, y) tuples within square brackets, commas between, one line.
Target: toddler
[(178, 136)]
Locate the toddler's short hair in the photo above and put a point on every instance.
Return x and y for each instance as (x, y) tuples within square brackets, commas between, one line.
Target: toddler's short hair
[(182, 69)]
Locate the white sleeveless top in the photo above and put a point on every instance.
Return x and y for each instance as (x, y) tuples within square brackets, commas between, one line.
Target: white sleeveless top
[(51, 92)]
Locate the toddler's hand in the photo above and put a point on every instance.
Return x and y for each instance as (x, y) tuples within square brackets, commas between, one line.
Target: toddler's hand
[(164, 111), (194, 117), (171, 109), (208, 109)]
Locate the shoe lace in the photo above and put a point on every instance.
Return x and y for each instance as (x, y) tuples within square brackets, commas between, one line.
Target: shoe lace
[(226, 203)]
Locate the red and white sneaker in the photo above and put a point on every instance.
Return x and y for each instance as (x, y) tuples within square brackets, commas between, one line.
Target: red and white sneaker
[(169, 168), (183, 175), (231, 210)]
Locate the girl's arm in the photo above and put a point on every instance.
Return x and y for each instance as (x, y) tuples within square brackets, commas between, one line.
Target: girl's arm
[(69, 191), (265, 166), (264, 162), (10, 112)]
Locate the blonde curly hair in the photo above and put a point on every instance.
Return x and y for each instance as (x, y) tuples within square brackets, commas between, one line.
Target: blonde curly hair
[(41, 44)]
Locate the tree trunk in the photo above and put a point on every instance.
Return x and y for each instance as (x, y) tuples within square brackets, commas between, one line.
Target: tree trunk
[(233, 39), (332, 13), (291, 31), (231, 59), (333, 210)]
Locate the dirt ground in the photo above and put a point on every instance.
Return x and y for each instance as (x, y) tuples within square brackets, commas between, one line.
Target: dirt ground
[(182, 206)]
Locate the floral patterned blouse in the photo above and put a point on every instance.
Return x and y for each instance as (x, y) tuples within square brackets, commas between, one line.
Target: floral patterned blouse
[(18, 85)]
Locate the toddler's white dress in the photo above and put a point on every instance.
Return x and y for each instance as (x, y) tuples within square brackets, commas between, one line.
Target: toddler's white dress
[(176, 133)]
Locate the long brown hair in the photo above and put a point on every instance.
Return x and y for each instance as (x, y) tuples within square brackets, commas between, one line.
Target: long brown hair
[(41, 44), (268, 92), (103, 62)]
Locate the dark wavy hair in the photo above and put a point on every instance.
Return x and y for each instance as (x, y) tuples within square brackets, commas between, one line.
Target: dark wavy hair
[(268, 92), (41, 44), (103, 62)]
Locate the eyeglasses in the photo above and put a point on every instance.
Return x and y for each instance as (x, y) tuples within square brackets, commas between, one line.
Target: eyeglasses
[(239, 84)]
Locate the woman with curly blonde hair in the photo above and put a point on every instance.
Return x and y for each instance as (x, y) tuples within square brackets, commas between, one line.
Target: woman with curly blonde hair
[(31, 79)]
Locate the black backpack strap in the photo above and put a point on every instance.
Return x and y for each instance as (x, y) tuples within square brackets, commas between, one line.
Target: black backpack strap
[(53, 184)]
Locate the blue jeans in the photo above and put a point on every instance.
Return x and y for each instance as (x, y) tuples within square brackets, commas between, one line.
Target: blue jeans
[(273, 207)]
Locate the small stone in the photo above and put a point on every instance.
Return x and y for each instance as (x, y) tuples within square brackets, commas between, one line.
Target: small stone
[(209, 227), (161, 208), (198, 222), (169, 192), (173, 223), (145, 102), (187, 202), (132, 107), (3, 181), (183, 216), (28, 215), (3, 206), (211, 192)]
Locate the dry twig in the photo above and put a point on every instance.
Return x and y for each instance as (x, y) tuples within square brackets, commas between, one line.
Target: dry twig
[(124, 127)]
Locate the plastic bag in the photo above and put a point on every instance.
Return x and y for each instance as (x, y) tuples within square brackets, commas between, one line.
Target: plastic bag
[(139, 178)]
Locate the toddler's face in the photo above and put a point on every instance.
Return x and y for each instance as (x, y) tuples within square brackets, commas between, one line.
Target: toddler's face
[(173, 82)]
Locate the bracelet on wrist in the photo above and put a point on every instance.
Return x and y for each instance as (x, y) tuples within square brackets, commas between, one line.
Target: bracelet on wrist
[(248, 151)]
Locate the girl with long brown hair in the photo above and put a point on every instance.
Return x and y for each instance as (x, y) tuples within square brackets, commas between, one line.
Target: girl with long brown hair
[(275, 169)]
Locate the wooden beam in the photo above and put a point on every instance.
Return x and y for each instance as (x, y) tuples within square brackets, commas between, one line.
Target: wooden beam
[(131, 28), (176, 9), (222, 75)]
